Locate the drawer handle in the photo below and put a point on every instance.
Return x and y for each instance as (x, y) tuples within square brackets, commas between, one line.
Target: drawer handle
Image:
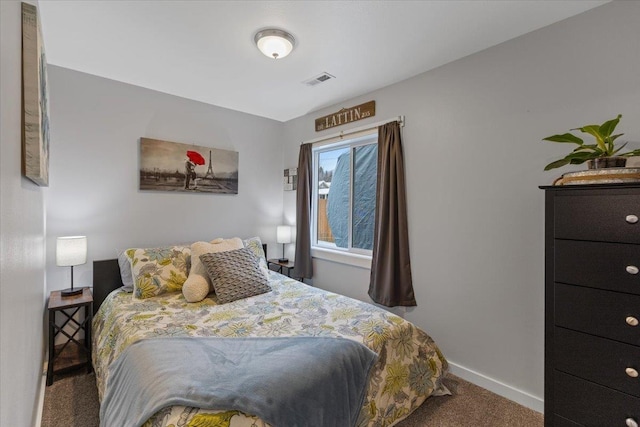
[(630, 422), (632, 269), (631, 321), (631, 372), (631, 219)]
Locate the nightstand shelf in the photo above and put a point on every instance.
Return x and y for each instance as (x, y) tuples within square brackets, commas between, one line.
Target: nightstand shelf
[(280, 267), (69, 307)]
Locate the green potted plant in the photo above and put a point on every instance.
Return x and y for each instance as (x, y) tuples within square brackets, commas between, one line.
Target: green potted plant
[(602, 154)]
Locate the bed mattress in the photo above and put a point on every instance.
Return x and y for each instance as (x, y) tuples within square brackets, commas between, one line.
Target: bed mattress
[(409, 368)]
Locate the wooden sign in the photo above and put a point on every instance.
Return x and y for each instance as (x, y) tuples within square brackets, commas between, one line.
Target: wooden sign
[(347, 115)]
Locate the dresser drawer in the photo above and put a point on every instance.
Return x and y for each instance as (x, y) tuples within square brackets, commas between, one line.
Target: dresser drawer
[(590, 404), (601, 265), (597, 217), (559, 421), (597, 312), (596, 359)]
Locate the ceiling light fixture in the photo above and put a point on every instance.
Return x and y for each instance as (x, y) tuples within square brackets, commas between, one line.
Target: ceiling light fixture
[(274, 43)]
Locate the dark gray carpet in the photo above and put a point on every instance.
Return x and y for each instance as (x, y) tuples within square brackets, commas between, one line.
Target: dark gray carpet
[(72, 401)]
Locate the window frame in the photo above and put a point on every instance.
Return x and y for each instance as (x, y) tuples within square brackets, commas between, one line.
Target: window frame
[(350, 255)]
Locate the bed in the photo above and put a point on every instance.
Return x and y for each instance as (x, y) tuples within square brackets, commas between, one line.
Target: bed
[(407, 367)]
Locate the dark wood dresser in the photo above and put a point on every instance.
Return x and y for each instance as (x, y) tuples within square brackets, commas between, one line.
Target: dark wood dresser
[(592, 300)]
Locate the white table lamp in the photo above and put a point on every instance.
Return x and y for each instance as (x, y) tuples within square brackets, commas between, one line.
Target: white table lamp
[(70, 251), (283, 235)]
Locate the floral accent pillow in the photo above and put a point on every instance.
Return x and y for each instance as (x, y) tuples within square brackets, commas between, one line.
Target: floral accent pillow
[(158, 271), (235, 274), (255, 244)]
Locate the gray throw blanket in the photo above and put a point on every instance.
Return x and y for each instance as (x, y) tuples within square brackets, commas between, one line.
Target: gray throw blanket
[(299, 381)]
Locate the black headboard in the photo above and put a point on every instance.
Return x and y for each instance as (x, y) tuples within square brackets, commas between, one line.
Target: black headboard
[(106, 279)]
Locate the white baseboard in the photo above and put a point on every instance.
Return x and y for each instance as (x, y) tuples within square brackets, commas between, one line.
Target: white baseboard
[(43, 387), (504, 390)]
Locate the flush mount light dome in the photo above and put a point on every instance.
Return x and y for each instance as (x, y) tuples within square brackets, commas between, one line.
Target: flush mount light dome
[(274, 43)]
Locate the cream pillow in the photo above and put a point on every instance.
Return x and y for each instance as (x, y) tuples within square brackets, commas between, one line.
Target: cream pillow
[(198, 284)]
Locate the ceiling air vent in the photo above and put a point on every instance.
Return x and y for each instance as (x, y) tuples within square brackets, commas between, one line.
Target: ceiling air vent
[(321, 78)]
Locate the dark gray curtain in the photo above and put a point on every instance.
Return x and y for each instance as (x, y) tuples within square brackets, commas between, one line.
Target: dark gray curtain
[(304, 266), (391, 284)]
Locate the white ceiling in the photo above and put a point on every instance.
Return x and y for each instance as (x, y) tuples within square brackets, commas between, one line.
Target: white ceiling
[(204, 50)]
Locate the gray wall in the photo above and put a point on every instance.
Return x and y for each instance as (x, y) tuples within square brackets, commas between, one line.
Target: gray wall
[(96, 127), (22, 255), (474, 161)]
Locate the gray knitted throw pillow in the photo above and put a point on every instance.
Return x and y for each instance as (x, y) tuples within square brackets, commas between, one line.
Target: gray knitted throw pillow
[(235, 274)]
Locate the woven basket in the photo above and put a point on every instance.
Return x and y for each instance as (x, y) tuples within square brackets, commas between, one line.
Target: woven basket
[(600, 176)]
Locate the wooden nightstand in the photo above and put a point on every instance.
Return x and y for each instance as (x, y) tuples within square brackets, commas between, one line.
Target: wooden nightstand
[(69, 307), (281, 266)]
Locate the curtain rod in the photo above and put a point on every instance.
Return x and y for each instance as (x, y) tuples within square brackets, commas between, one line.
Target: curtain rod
[(342, 134)]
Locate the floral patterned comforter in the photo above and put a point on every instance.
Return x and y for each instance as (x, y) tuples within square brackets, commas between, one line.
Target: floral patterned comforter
[(410, 366)]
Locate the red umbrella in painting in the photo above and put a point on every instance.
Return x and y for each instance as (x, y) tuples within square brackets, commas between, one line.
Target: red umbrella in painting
[(196, 157)]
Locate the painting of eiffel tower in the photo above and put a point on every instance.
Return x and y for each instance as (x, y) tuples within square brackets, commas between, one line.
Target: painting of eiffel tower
[(209, 173), (173, 166)]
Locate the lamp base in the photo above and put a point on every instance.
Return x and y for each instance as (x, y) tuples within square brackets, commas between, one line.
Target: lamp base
[(69, 292), (283, 259)]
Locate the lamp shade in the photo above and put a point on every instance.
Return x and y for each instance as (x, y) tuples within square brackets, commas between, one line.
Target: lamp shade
[(71, 250), (283, 234), (274, 43)]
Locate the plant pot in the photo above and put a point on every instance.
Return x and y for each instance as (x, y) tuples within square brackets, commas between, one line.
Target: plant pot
[(607, 162)]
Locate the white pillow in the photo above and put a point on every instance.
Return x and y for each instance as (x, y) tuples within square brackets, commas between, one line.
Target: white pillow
[(198, 284), (125, 271)]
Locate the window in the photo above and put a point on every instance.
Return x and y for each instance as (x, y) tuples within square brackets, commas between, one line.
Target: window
[(344, 194)]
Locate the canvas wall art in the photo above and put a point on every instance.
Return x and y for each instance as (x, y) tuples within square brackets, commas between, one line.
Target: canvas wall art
[(173, 166), (35, 99)]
